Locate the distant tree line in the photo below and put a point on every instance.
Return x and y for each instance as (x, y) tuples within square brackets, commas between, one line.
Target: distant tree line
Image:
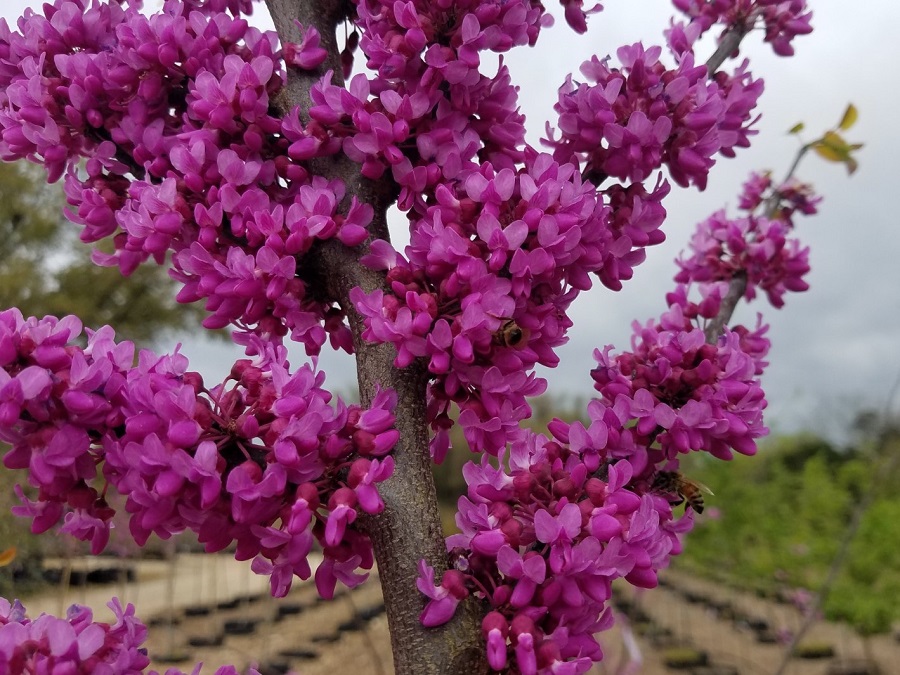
[(776, 520)]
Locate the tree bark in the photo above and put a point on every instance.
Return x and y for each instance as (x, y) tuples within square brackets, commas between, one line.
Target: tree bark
[(409, 529)]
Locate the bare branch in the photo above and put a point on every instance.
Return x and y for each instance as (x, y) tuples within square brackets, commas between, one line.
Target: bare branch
[(736, 289), (729, 44)]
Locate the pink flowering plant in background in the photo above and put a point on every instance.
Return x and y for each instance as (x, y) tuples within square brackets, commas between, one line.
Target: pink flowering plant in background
[(259, 166)]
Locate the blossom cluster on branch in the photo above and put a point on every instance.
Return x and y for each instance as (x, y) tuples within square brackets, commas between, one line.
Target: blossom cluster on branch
[(630, 121), (172, 114), (77, 643), (758, 245), (498, 253), (544, 535), (782, 20), (173, 140), (262, 461)]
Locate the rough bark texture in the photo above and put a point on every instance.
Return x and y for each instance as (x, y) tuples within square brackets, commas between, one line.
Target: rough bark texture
[(409, 529)]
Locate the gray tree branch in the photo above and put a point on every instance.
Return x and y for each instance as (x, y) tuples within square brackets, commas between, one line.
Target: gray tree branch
[(409, 529)]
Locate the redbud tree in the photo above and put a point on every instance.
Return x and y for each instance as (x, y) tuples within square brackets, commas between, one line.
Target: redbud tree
[(259, 167)]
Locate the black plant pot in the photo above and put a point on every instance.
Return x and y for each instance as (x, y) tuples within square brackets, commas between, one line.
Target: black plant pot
[(684, 658), (299, 654), (206, 640), (814, 650), (756, 623), (288, 609), (173, 657), (369, 613), (767, 636), (77, 578), (103, 575), (715, 670), (158, 621), (694, 598), (274, 668), (327, 638), (352, 625), (240, 626)]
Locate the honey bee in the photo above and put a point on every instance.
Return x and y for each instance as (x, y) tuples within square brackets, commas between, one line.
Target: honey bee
[(512, 335), (685, 489)]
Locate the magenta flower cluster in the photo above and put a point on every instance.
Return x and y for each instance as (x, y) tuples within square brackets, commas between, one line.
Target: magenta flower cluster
[(542, 538), (172, 113), (49, 644), (77, 643), (202, 170), (782, 20), (544, 534), (682, 394), (167, 133), (758, 246), (497, 250), (428, 114), (492, 268), (628, 122), (263, 460)]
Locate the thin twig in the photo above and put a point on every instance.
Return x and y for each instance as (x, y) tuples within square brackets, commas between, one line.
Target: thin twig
[(736, 289), (729, 44), (771, 202)]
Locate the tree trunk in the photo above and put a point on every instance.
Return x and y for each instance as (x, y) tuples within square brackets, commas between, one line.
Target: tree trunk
[(409, 529)]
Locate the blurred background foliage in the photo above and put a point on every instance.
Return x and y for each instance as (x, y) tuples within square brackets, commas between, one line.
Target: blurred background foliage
[(45, 269), (776, 521)]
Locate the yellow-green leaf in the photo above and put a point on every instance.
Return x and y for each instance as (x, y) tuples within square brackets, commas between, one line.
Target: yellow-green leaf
[(797, 128), (834, 140), (850, 116), (833, 148), (827, 152), (7, 556)]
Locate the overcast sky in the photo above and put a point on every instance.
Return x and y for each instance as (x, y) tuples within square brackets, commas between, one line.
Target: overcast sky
[(835, 348)]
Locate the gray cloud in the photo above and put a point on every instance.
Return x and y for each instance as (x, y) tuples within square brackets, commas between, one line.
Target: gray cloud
[(835, 347)]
